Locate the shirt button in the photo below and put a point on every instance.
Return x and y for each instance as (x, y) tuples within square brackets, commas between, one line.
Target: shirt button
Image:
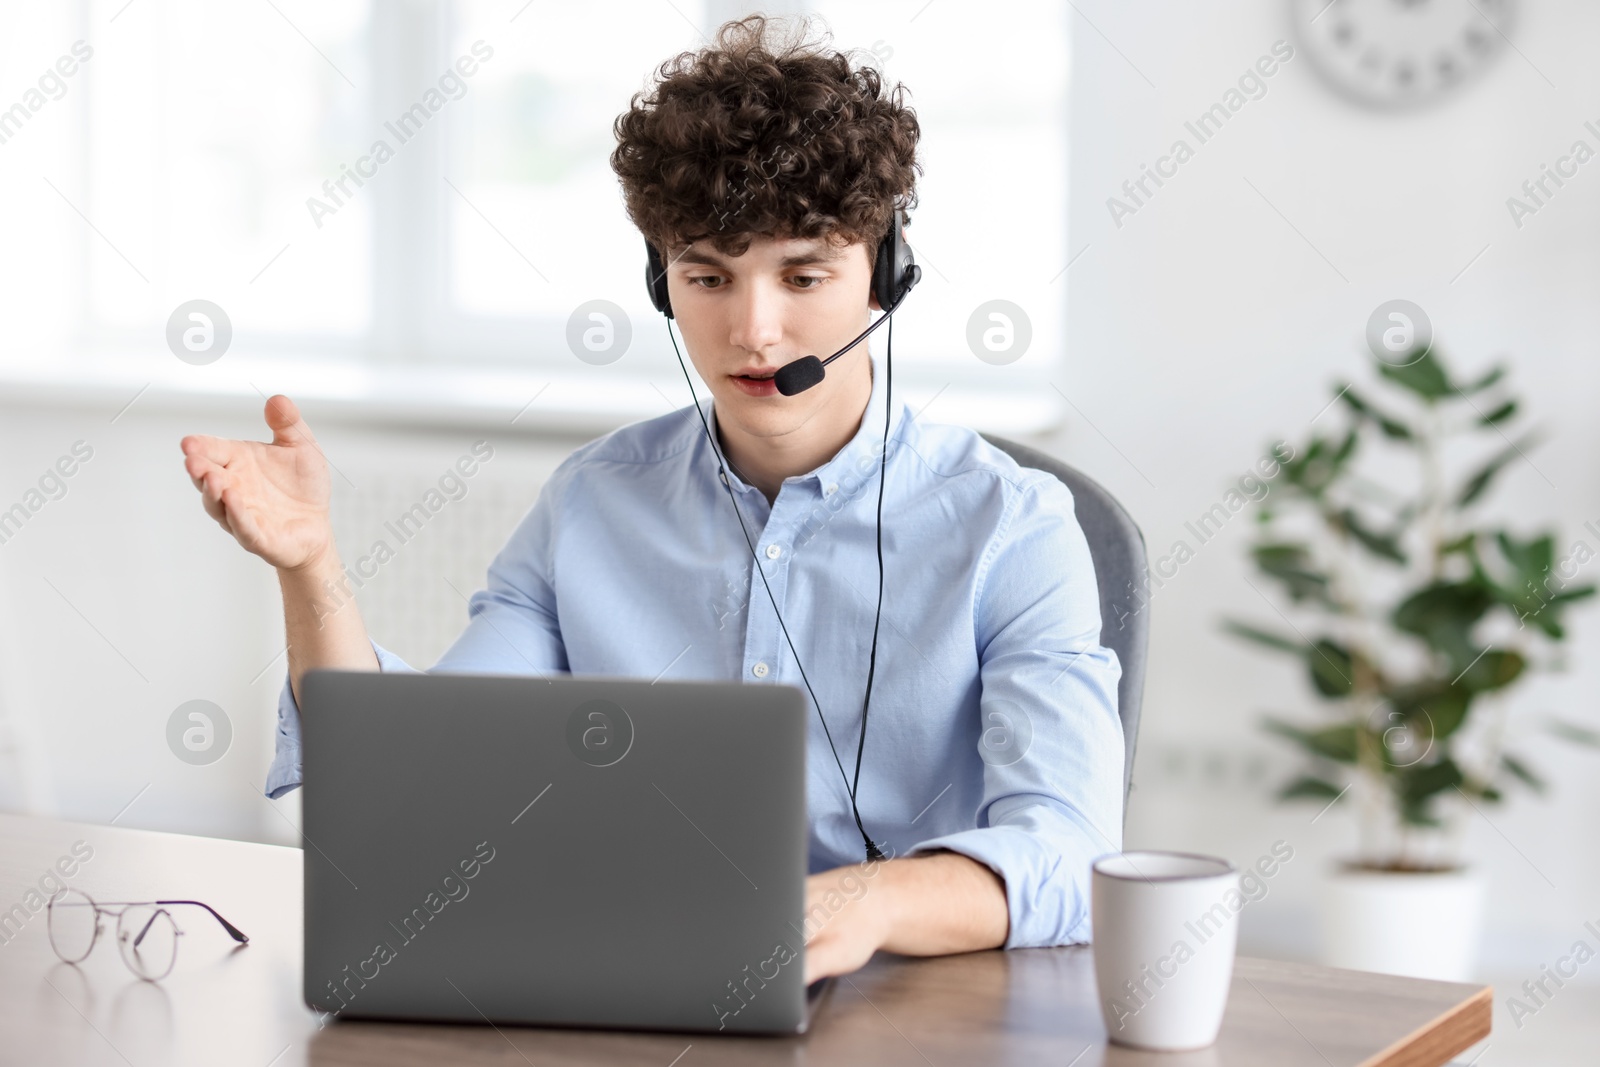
[(830, 490), (724, 476), (774, 551), (759, 670)]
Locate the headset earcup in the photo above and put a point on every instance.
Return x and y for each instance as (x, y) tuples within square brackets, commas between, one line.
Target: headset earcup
[(905, 260), (655, 279), (883, 265), (894, 259)]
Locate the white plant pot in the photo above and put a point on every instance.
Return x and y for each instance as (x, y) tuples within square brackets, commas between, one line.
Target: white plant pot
[(1424, 925)]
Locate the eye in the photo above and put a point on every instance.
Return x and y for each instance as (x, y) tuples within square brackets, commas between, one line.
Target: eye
[(816, 281), (695, 281)]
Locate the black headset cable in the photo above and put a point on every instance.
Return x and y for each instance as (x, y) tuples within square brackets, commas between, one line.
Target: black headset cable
[(873, 851)]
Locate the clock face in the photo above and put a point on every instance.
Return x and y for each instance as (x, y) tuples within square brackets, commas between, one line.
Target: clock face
[(1399, 53)]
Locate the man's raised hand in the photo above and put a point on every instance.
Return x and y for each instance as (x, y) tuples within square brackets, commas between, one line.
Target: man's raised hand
[(271, 496)]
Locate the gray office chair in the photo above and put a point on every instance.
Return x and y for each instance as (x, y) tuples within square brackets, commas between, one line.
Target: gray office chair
[(1117, 547)]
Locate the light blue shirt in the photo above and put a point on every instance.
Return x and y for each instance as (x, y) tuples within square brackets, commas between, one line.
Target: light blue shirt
[(993, 729)]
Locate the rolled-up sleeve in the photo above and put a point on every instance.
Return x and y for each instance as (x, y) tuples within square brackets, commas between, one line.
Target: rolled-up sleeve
[(1052, 749), (284, 774), (512, 627)]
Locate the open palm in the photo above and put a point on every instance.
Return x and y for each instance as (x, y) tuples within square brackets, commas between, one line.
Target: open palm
[(271, 496)]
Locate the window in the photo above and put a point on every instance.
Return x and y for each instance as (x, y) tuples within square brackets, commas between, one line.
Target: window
[(394, 198)]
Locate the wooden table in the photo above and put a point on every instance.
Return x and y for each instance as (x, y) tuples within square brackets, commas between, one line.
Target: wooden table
[(241, 1004)]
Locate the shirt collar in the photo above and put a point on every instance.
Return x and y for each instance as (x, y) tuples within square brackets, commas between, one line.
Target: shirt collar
[(862, 453)]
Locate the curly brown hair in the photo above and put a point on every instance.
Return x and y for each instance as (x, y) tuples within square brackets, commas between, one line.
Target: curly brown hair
[(750, 136)]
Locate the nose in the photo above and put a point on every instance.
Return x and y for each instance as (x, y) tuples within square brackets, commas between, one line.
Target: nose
[(757, 316)]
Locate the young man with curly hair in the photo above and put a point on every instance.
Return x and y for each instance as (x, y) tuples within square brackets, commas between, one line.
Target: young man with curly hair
[(764, 175)]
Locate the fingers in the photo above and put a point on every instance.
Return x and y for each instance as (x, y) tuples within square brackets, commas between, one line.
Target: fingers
[(212, 483), (211, 500), (218, 450), (288, 428), (197, 467), (217, 512), (242, 523), (822, 960)]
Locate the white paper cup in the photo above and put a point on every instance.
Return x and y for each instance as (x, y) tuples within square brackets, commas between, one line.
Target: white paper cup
[(1165, 928)]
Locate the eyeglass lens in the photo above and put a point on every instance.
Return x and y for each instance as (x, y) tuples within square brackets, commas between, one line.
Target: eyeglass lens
[(148, 940), (73, 924)]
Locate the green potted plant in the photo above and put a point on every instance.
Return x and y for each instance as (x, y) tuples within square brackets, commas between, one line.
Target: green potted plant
[(1413, 622)]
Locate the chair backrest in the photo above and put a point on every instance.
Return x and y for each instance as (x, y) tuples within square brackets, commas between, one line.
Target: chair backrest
[(1117, 547)]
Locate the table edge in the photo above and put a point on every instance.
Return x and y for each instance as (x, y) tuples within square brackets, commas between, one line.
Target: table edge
[(1480, 1008)]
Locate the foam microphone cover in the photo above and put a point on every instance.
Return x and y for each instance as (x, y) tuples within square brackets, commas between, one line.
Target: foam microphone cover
[(799, 376)]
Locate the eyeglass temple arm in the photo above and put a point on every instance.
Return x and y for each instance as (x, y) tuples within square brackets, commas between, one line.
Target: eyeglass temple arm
[(233, 931)]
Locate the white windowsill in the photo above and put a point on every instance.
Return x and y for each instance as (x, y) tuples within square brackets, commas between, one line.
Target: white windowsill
[(472, 397)]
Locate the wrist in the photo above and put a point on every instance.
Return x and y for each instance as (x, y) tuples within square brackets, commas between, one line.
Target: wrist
[(887, 899), (940, 902), (318, 586), (319, 564)]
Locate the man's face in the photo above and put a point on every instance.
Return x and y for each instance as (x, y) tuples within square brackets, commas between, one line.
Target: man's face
[(751, 314)]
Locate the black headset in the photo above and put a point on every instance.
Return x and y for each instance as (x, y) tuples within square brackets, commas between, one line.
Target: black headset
[(894, 275)]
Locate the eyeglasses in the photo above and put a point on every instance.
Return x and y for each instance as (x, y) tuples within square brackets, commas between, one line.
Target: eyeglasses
[(147, 936)]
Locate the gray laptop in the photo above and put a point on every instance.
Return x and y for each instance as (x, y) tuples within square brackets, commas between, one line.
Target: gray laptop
[(566, 851)]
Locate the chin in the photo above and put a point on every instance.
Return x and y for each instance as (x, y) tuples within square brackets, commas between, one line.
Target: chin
[(765, 416)]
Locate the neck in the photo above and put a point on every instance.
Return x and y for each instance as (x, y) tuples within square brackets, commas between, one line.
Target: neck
[(765, 462)]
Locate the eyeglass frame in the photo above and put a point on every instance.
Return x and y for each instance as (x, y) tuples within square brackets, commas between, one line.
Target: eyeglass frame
[(103, 907)]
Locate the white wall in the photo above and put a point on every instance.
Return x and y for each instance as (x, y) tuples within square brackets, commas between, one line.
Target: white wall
[(1205, 327)]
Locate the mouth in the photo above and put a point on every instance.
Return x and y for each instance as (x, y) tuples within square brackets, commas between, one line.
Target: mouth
[(757, 383)]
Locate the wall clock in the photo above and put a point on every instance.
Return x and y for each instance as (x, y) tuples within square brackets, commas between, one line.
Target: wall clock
[(1395, 54)]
